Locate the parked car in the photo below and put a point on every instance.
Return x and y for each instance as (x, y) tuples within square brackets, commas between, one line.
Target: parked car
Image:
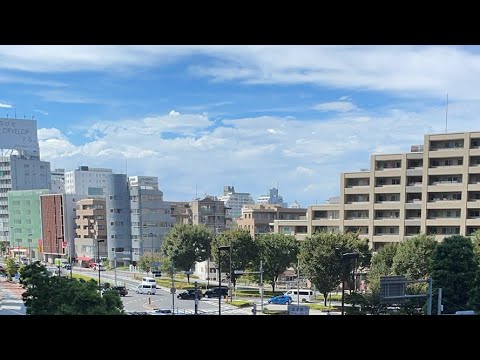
[(216, 292), (189, 294), (280, 300), (161, 312), (67, 266)]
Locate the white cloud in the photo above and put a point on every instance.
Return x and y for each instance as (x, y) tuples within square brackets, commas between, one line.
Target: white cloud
[(340, 106), (3, 105), (345, 98), (173, 113), (62, 96), (303, 171), (41, 112)]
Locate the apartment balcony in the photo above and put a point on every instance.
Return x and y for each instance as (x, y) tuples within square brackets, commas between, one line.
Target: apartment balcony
[(387, 172), (474, 187), (473, 222), (357, 190), (325, 222), (413, 222), (387, 205), (414, 188), (444, 222), (386, 238), (356, 222), (444, 204), (445, 170), (387, 222), (364, 205), (447, 187), (474, 169), (388, 189), (415, 171), (445, 153)]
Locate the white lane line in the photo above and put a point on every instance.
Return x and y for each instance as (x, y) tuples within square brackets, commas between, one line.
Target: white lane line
[(10, 307)]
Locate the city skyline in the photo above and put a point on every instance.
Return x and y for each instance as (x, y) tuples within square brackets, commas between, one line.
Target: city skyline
[(202, 117)]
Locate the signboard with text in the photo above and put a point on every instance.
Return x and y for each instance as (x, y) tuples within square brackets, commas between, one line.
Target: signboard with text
[(298, 310), (18, 134)]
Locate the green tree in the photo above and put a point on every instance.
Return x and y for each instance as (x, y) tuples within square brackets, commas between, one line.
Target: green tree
[(413, 258), (454, 267), (145, 262), (11, 268), (187, 244), (277, 252), (382, 261), (3, 247), (321, 258), (243, 250), (57, 295)]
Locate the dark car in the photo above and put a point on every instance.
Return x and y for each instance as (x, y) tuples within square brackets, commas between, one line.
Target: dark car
[(216, 292), (189, 294), (122, 290)]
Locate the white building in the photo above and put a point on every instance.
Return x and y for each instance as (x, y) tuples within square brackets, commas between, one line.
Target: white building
[(295, 205), (272, 198), (150, 216), (87, 181), (58, 181), (235, 201)]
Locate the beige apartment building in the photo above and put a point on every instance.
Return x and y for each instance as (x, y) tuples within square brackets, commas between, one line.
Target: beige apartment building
[(91, 226), (259, 218), (434, 189)]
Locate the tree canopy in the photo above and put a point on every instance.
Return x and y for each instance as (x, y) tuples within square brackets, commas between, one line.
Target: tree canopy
[(277, 252), (187, 244), (57, 295)]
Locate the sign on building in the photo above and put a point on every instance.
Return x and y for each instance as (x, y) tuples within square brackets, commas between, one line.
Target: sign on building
[(392, 289), (18, 134)]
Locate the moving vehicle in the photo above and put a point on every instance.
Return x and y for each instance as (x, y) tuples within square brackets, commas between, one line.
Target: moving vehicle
[(98, 267), (306, 295), (280, 300), (161, 312), (149, 281), (216, 292), (122, 290), (189, 294), (148, 289)]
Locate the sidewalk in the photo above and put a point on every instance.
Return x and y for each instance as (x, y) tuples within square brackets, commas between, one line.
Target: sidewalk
[(15, 290)]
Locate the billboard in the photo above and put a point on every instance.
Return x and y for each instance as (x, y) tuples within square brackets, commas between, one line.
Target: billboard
[(143, 181), (18, 134)]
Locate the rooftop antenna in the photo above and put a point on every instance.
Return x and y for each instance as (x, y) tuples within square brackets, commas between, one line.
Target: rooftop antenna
[(196, 192), (446, 115), (126, 166), (15, 113)]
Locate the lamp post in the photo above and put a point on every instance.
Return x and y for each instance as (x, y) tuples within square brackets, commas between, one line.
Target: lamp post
[(98, 255), (18, 249), (29, 252), (220, 248), (346, 256)]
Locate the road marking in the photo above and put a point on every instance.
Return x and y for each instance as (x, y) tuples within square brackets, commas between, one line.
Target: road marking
[(10, 307)]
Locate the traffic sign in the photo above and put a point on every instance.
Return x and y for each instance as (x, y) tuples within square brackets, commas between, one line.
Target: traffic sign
[(155, 263), (298, 310), (238, 272), (173, 290)]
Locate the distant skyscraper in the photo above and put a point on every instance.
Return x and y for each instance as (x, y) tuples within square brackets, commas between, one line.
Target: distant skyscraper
[(234, 202), (87, 181), (58, 181), (272, 198), (295, 205)]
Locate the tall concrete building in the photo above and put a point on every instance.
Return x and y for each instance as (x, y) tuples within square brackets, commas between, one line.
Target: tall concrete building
[(91, 226), (58, 214), (272, 198), (87, 181), (25, 222), (19, 171), (208, 211), (58, 181), (433, 189), (235, 201), (150, 216), (259, 218)]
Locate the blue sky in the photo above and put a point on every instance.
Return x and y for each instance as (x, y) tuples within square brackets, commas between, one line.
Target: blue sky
[(249, 116)]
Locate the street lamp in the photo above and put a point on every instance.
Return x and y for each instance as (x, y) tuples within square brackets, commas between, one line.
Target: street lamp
[(346, 256), (220, 248), (18, 249), (29, 252), (98, 255)]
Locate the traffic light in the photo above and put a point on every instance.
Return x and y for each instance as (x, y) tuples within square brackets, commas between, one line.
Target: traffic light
[(134, 263)]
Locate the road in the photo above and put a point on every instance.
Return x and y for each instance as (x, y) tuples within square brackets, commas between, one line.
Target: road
[(11, 302), (162, 299)]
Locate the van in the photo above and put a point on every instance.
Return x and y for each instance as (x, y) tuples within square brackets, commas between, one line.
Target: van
[(149, 281), (148, 289), (306, 295)]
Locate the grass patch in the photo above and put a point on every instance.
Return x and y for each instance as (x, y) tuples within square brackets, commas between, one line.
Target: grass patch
[(83, 277), (256, 293), (275, 312), (335, 297), (241, 303), (321, 307)]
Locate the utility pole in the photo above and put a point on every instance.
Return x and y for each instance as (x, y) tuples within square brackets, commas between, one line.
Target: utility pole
[(429, 303), (298, 282), (173, 293), (115, 266), (196, 298), (439, 305), (261, 285)]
